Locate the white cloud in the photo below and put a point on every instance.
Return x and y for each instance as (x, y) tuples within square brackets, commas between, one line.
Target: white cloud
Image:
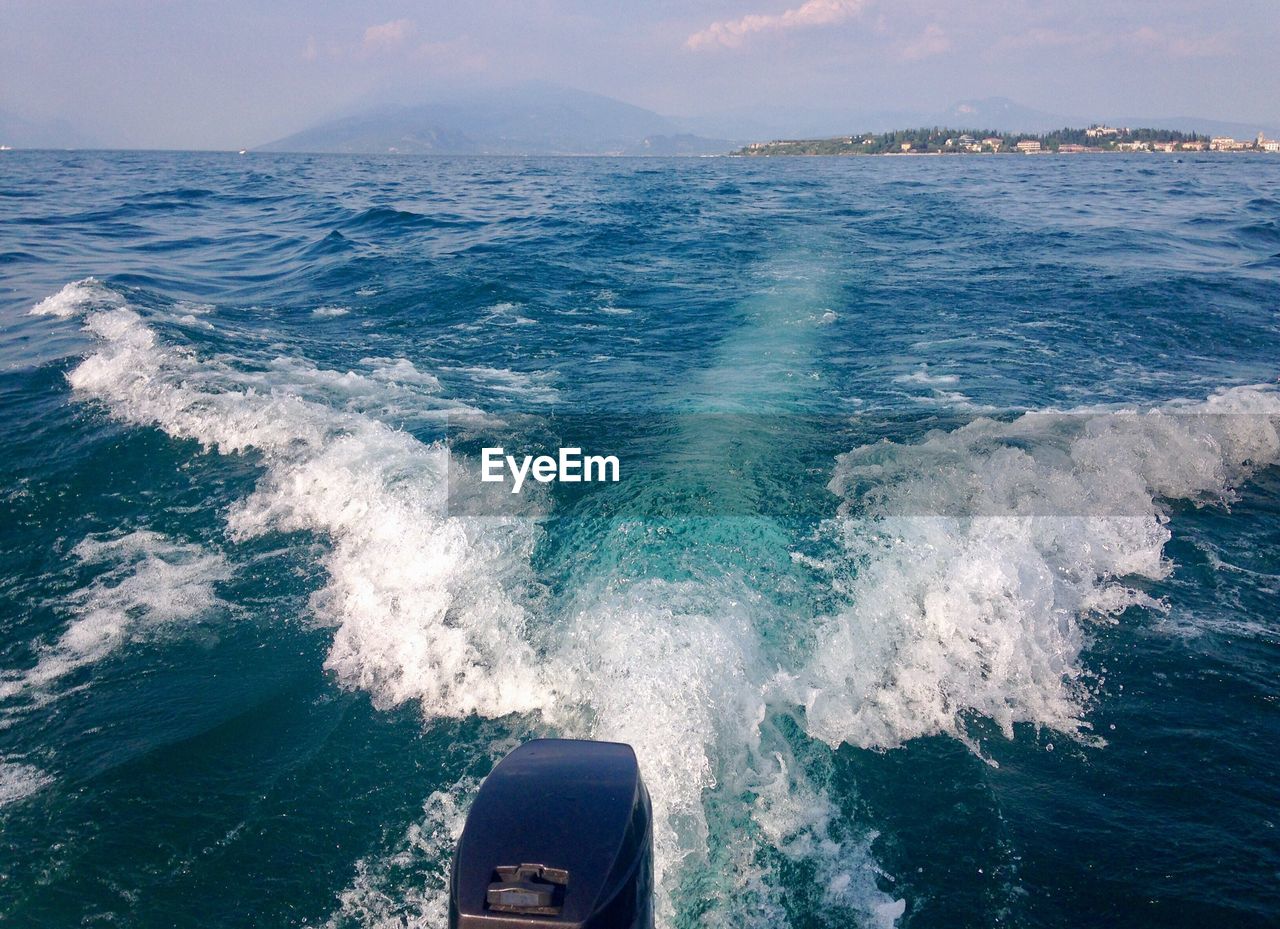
[(387, 35), (730, 33)]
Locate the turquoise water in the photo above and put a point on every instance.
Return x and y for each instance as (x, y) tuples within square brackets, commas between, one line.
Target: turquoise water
[(939, 588)]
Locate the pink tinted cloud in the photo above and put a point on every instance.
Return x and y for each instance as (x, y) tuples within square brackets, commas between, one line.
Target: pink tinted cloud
[(731, 33)]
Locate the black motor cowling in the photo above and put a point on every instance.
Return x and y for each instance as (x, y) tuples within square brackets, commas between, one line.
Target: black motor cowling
[(561, 836)]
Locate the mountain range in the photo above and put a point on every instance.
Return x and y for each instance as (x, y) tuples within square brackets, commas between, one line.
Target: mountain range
[(533, 119), (545, 119), (539, 119), (21, 132)]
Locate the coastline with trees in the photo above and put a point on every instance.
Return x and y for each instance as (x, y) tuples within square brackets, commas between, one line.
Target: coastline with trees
[(940, 140)]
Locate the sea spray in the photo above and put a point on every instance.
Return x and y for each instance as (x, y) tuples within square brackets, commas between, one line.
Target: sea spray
[(149, 585), (975, 560), (423, 604), (417, 597), (671, 637), (965, 588)]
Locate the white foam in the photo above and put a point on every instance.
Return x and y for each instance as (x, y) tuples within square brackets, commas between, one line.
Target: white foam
[(649, 666), (391, 390), (19, 781), (425, 605), (532, 387), (378, 897), (501, 314), (330, 311), (946, 614), (191, 320), (922, 376), (76, 298), (401, 371), (975, 559), (190, 308), (151, 583), (681, 670), (676, 669), (418, 598)]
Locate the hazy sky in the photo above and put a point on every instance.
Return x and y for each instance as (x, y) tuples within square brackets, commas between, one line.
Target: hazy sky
[(229, 73)]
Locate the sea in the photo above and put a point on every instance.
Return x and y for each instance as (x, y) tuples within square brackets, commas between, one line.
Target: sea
[(938, 588)]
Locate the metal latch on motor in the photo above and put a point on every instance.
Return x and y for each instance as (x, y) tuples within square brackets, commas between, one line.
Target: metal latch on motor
[(532, 889)]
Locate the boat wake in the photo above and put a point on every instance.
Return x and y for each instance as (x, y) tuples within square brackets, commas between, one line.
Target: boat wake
[(968, 568)]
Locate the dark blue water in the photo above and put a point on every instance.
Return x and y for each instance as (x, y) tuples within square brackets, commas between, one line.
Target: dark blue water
[(939, 588)]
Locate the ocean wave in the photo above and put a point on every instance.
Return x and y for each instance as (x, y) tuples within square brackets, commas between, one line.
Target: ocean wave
[(402, 371), (671, 635), (77, 297), (973, 561), (377, 899), (387, 220), (530, 387), (444, 610), (1265, 234), (150, 583), (922, 376), (334, 243), (419, 599), (19, 781), (967, 570)]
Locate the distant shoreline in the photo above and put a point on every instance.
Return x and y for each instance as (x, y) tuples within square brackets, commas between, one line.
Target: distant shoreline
[(1094, 140)]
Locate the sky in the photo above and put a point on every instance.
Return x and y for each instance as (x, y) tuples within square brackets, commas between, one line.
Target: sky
[(234, 73)]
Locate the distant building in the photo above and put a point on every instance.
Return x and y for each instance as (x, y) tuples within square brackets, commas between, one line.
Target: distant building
[(1099, 132), (1071, 148), (1271, 145), (1132, 146), (906, 146), (1194, 146), (1028, 146), (1164, 146), (1223, 143), (993, 142)]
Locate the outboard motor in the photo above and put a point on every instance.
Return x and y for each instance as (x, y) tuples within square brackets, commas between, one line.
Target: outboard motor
[(559, 837)]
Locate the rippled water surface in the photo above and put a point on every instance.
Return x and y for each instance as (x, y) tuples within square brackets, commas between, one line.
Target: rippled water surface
[(939, 589)]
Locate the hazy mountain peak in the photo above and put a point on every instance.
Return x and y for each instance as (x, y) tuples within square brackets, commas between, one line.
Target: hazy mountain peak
[(527, 119), (22, 132)]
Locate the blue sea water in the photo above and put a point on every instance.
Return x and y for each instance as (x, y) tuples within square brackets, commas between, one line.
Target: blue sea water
[(939, 589)]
